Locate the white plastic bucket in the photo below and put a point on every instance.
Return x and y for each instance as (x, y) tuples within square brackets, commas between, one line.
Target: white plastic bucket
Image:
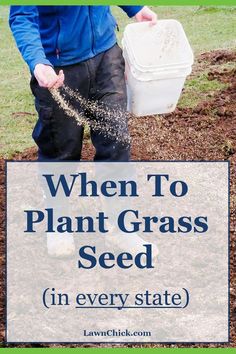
[(158, 60)]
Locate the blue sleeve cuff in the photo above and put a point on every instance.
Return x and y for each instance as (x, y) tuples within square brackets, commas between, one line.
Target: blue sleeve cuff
[(131, 10)]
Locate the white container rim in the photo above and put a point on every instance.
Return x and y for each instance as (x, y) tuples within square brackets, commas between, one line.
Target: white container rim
[(156, 70), (155, 67), (130, 51)]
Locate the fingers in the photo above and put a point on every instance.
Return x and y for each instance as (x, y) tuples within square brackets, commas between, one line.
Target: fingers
[(146, 14), (60, 80), (46, 81), (52, 82), (47, 77), (151, 17), (153, 20)]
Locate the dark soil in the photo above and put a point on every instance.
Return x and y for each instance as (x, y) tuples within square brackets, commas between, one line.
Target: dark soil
[(207, 132)]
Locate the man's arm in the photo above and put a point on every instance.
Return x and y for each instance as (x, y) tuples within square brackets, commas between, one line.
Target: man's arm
[(23, 21), (141, 13)]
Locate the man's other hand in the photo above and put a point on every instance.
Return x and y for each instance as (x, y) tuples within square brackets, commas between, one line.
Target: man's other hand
[(47, 77), (146, 14)]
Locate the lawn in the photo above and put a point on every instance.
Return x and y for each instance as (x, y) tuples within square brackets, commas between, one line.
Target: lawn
[(207, 29)]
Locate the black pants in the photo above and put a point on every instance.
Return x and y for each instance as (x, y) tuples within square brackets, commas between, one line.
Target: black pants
[(58, 136)]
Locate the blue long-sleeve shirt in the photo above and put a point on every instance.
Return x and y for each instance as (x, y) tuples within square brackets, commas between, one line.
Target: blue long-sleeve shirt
[(63, 35)]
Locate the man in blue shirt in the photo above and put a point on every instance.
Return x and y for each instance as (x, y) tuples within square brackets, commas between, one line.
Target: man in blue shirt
[(75, 46)]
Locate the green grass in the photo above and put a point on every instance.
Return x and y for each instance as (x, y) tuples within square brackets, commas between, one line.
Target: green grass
[(197, 88), (15, 131), (206, 28)]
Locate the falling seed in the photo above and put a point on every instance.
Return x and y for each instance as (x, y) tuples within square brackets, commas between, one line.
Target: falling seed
[(111, 122)]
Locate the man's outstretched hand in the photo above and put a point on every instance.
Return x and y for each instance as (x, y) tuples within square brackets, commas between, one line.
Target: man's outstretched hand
[(47, 77), (146, 14)]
